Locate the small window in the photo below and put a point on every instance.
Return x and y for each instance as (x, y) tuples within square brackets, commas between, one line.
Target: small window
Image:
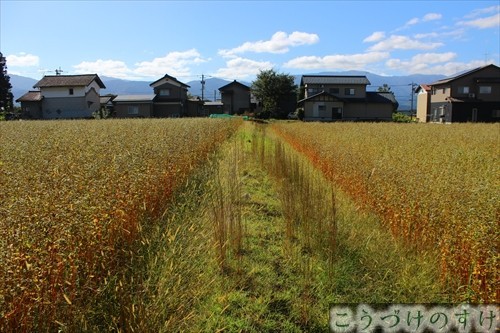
[(485, 89), (495, 113), (312, 91), (463, 90), (71, 91), (334, 90), (349, 91), (321, 108), (133, 110), (164, 92)]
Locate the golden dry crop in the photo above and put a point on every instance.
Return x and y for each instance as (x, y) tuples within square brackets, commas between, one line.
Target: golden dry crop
[(436, 187), (74, 198)]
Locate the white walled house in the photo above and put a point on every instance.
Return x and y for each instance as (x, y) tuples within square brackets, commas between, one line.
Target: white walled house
[(63, 97)]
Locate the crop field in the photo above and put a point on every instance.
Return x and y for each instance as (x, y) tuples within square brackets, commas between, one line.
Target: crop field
[(74, 198), (218, 225), (435, 187)]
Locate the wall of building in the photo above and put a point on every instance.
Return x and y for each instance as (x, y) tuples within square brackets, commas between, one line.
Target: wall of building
[(67, 108), (423, 107), (145, 110), (168, 110), (313, 89)]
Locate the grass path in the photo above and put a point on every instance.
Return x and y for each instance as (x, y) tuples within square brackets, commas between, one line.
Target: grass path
[(269, 280)]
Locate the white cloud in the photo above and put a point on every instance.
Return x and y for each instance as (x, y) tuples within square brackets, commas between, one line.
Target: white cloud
[(427, 17), (398, 42), (22, 60), (338, 61), (240, 68), (432, 63), (433, 58), (375, 37), (455, 33), (174, 63), (413, 21), (280, 42), (431, 17), (481, 11), (113, 68), (483, 23)]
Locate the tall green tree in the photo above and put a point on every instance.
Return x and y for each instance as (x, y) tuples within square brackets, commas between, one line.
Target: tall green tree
[(6, 97), (276, 92)]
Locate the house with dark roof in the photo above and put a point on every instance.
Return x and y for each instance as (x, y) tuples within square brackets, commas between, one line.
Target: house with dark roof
[(471, 96), (235, 97), (339, 97), (170, 97), (31, 105), (63, 97)]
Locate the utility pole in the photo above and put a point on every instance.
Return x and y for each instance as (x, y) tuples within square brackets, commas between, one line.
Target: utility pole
[(202, 87), (412, 93)]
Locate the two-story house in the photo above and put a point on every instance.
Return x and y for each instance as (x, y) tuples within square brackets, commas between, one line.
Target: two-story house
[(235, 97), (170, 97), (63, 97), (471, 96), (340, 97)]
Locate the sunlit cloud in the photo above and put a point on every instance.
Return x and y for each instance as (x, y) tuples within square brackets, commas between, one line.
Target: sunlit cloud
[(113, 68), (22, 60), (481, 11), (432, 63), (375, 37), (337, 61), (241, 68), (280, 42), (173, 63), (431, 17), (483, 23), (399, 42)]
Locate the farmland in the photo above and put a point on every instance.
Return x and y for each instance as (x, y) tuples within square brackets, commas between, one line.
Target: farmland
[(435, 187), (75, 196), (205, 224)]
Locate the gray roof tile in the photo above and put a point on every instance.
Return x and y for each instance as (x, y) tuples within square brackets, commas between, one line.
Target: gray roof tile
[(68, 81), (334, 79)]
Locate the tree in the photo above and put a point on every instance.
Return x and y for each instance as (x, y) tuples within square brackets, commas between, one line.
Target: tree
[(276, 92), (6, 97), (384, 88)]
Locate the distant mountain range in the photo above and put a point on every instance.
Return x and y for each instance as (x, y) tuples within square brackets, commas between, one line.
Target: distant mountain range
[(400, 85)]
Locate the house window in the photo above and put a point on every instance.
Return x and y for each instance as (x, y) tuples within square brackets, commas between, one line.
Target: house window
[(495, 113), (444, 91), (71, 91), (334, 90), (349, 91), (463, 90), (312, 91), (485, 89), (133, 110), (321, 108), (164, 92)]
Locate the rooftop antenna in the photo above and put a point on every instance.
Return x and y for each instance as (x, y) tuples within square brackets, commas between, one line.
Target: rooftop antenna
[(59, 71)]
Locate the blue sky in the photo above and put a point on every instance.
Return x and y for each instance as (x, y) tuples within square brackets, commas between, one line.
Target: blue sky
[(144, 40)]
